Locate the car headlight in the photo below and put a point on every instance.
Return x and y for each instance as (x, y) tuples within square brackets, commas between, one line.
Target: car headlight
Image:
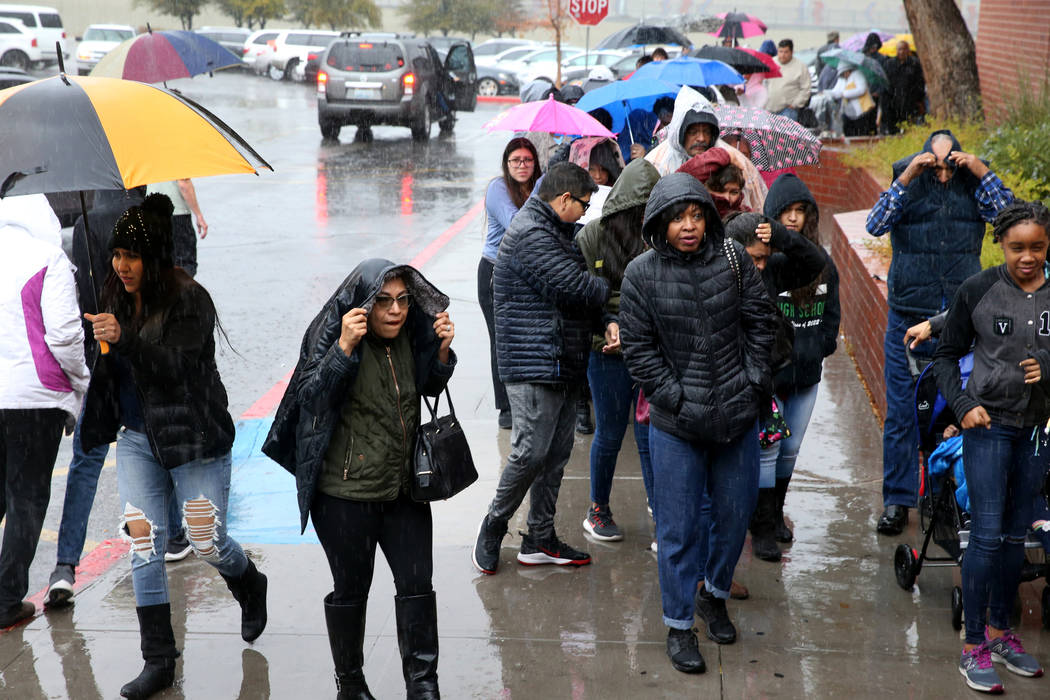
[(84, 55)]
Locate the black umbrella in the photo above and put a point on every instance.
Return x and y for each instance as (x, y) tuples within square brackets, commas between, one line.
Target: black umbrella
[(740, 25), (742, 61), (642, 35)]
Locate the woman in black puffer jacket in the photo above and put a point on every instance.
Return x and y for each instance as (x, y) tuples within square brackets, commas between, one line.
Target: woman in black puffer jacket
[(696, 326)]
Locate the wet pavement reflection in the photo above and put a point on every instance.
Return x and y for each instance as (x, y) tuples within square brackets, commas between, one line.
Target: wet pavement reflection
[(827, 622)]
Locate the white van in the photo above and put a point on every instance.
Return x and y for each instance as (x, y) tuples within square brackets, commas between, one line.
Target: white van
[(45, 23)]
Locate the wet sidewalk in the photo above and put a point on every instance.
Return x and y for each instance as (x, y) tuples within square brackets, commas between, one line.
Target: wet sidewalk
[(827, 622)]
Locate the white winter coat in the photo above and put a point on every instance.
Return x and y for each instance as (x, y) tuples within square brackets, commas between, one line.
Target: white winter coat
[(42, 340)]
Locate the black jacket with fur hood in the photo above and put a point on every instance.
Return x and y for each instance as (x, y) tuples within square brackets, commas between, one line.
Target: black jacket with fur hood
[(310, 408), (696, 328)]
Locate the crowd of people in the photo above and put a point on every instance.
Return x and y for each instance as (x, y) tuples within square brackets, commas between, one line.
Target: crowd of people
[(666, 283)]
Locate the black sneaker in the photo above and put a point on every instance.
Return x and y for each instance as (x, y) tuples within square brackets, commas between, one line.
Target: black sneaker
[(584, 425), (505, 421), (601, 526), (177, 548), (550, 551), (684, 652), (712, 610), (60, 587), (485, 554)]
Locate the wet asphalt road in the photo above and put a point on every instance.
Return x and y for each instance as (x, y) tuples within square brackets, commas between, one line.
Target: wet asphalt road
[(827, 622)]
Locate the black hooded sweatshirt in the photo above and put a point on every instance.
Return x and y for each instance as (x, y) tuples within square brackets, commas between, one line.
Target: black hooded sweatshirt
[(696, 327), (310, 408)]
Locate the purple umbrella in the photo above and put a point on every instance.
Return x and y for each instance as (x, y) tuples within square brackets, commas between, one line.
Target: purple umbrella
[(856, 42)]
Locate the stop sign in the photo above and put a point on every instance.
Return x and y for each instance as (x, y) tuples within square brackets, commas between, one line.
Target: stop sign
[(588, 11)]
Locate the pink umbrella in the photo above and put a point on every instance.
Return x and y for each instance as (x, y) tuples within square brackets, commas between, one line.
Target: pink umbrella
[(551, 116), (856, 42), (767, 61), (739, 25)]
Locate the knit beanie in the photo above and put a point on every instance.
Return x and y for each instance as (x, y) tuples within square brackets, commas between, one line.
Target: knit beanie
[(785, 191), (146, 229), (768, 48)]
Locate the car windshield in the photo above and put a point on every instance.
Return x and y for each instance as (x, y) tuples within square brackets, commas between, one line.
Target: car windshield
[(100, 34), (365, 57)]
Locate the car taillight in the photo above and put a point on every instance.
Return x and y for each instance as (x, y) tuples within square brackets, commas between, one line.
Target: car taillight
[(409, 81), (311, 57), (322, 82), (244, 50), (33, 43), (63, 35)]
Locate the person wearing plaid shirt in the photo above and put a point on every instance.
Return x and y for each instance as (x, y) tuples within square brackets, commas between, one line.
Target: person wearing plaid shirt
[(935, 212)]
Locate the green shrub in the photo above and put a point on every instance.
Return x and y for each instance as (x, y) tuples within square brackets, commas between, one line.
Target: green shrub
[(879, 156), (991, 253), (1020, 154)]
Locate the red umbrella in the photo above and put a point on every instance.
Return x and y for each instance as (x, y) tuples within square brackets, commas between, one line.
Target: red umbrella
[(767, 60)]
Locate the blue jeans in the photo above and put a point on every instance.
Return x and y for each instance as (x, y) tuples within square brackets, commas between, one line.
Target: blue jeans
[(146, 488), (900, 437), (789, 112), (681, 471), (81, 482), (1003, 469), (614, 394), (778, 460)]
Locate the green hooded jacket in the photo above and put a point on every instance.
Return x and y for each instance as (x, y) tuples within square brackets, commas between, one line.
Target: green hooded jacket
[(631, 189)]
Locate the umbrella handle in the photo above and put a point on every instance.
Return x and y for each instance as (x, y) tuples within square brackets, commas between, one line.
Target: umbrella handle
[(103, 347)]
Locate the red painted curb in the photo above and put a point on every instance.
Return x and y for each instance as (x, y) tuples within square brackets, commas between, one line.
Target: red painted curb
[(500, 99)]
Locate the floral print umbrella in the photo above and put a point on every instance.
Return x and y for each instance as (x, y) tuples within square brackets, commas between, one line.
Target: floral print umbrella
[(776, 142)]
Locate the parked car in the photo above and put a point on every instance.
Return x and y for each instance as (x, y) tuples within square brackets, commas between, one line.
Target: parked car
[(580, 65), (19, 47), (486, 52), (291, 48), (9, 77), (625, 66), (402, 81), (257, 50), (506, 59), (542, 63), (42, 22), (493, 80), (230, 38), (98, 40), (442, 44), (313, 59)]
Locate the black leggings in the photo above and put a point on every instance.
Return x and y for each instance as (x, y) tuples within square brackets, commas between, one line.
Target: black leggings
[(349, 532), (485, 272)]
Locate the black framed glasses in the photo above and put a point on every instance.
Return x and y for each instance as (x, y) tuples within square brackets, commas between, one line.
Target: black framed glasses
[(520, 162), (585, 205), (384, 301)]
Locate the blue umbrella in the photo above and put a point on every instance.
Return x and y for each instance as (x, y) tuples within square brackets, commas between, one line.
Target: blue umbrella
[(620, 97), (686, 70)]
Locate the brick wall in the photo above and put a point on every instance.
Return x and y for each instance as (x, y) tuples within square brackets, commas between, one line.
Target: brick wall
[(845, 195), (1011, 35)]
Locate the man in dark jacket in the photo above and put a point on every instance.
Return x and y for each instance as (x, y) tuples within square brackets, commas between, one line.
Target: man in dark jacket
[(935, 211), (547, 306), (907, 91)]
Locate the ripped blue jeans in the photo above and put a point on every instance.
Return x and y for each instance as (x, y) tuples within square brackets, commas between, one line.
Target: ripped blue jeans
[(202, 487)]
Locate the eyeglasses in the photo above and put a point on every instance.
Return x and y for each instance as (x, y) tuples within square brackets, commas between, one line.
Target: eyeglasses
[(384, 302), (520, 162), (585, 205)]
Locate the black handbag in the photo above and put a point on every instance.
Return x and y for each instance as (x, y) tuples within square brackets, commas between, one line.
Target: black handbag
[(442, 465)]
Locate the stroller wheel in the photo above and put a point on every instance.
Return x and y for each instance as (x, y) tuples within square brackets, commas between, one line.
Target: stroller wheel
[(1046, 607), (905, 566), (957, 608)]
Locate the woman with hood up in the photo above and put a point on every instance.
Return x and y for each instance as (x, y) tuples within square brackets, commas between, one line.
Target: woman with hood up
[(608, 244), (346, 429), (696, 329), (158, 393)]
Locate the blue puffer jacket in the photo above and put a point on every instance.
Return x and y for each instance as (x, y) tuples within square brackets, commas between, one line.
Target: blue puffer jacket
[(547, 305), (937, 241)]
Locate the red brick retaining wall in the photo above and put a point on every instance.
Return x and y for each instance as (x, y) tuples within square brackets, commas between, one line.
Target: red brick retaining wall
[(1013, 42)]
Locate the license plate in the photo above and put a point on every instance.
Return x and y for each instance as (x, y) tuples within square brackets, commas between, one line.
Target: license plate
[(359, 93)]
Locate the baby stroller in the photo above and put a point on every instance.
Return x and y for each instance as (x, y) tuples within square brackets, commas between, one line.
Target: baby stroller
[(941, 518)]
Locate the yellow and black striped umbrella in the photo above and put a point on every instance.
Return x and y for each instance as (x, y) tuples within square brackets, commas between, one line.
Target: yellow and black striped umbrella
[(70, 133)]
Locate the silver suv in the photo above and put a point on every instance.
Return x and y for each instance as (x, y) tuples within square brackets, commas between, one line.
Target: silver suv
[(367, 79)]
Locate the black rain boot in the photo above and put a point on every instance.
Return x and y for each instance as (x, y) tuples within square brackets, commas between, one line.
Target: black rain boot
[(249, 589), (763, 543), (158, 650), (781, 531), (417, 638), (346, 636)]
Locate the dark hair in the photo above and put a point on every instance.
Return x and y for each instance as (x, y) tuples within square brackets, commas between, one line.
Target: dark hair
[(519, 192), (664, 104), (566, 177), (741, 225), (665, 217), (603, 156), (603, 117), (804, 296), (659, 50), (786, 44), (1020, 212), (620, 242), (723, 176), (642, 60)]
